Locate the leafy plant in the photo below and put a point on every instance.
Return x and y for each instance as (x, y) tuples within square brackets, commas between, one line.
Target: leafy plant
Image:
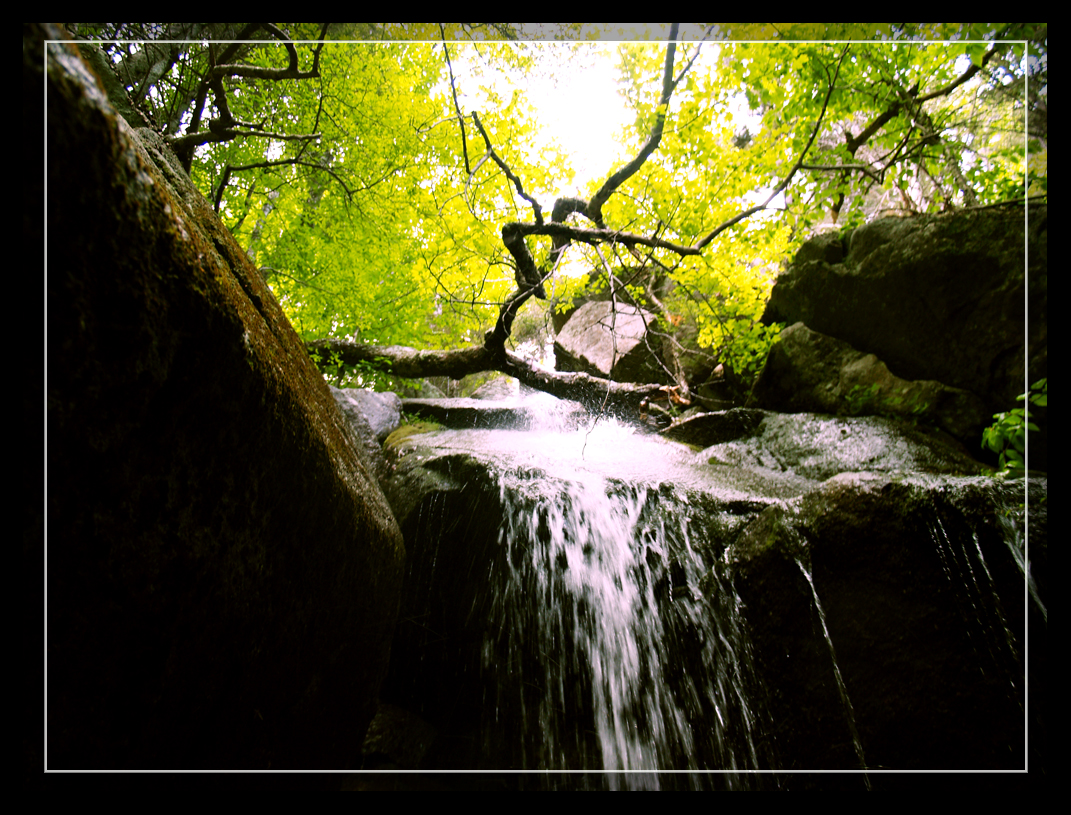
[(1007, 435)]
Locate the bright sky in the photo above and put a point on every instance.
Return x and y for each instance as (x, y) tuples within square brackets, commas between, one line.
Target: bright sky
[(578, 107), (583, 111)]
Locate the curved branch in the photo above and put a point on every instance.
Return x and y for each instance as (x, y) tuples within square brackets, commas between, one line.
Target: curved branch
[(563, 208), (222, 134), (222, 129), (855, 142), (967, 74), (594, 208), (290, 162), (594, 237), (529, 278), (538, 210), (291, 71), (799, 163), (495, 341), (410, 363)]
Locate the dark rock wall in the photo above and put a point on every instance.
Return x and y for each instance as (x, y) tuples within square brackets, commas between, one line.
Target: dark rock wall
[(223, 571), (450, 512), (935, 297), (929, 641)]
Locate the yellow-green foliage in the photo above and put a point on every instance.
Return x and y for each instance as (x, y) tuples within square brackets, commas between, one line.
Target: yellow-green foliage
[(385, 228)]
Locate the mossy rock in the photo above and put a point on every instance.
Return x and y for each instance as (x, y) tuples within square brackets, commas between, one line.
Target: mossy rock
[(407, 430)]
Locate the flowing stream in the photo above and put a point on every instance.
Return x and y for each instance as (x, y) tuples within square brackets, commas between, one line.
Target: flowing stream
[(603, 580), (613, 649)]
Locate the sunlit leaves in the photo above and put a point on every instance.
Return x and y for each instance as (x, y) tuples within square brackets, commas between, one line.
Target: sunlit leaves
[(371, 232), (374, 228), (746, 114)]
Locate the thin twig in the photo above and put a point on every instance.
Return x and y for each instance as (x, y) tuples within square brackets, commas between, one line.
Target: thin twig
[(457, 107)]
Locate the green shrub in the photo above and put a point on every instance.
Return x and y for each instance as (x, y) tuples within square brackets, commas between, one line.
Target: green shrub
[(1007, 435)]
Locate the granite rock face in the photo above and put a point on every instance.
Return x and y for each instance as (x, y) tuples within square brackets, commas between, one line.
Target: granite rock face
[(381, 411), (223, 570), (627, 353), (809, 371), (941, 297)]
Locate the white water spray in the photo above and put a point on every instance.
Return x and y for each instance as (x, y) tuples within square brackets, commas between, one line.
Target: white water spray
[(604, 583)]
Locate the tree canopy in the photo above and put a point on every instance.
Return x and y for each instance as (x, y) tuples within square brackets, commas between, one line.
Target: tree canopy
[(404, 193)]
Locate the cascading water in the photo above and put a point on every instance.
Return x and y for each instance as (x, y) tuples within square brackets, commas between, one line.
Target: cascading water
[(1013, 528), (965, 567), (607, 644), (604, 582), (1014, 539), (574, 610), (849, 711)]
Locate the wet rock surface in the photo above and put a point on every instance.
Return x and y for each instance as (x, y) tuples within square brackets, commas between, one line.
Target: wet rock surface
[(936, 297), (818, 447), (916, 599), (223, 570), (811, 372)]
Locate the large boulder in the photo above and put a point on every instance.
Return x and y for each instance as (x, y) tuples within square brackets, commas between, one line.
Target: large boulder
[(223, 572), (941, 297), (372, 417), (611, 340), (380, 412), (809, 371), (887, 614)]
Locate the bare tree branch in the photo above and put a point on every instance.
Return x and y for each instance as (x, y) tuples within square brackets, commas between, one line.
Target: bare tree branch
[(538, 210), (414, 364), (595, 237), (292, 71), (457, 107), (594, 208), (292, 162), (795, 167), (223, 128), (181, 144)]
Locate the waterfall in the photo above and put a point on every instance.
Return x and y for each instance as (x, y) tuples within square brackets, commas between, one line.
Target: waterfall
[(602, 609), (1013, 538), (611, 642), (987, 627)]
